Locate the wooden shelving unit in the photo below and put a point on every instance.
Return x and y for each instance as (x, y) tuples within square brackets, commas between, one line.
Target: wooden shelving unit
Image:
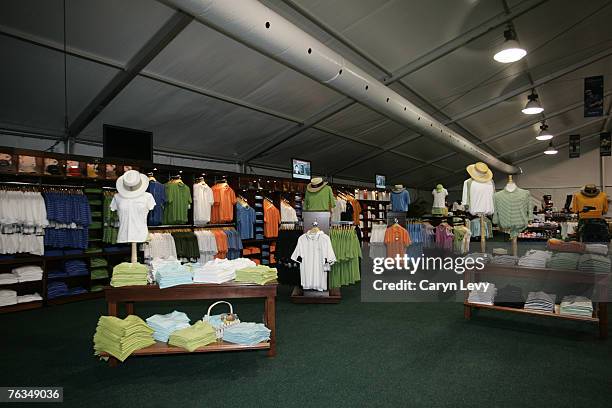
[(600, 281), (164, 348)]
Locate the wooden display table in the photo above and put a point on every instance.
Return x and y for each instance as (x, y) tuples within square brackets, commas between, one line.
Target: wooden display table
[(230, 290), (599, 280)]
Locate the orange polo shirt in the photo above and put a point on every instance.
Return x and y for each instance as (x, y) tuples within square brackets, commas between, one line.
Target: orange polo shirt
[(223, 208), (397, 240), (600, 202), (221, 241), (271, 220)]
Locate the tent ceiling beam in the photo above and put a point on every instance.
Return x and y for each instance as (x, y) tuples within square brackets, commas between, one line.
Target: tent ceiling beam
[(168, 32)]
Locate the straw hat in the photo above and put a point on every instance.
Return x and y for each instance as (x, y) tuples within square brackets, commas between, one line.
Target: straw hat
[(590, 190), (480, 172), (132, 184), (316, 184)]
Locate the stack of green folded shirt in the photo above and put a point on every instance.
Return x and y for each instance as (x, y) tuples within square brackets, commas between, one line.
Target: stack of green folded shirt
[(577, 306), (192, 337), (120, 338), (97, 288), (95, 225), (98, 263), (92, 250), (260, 274), (99, 273), (564, 260), (127, 274)]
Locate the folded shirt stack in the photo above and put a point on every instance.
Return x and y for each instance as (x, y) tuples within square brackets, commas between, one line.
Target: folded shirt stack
[(535, 259), (193, 337), (170, 275), (541, 301), (594, 263), (28, 273), (510, 296), (484, 257), (483, 297), (76, 267), (219, 270), (8, 297), (564, 260), (8, 278), (99, 273), (246, 333), (57, 274), (256, 274), (77, 290), (121, 337), (599, 249), (34, 297), (165, 325), (97, 288), (56, 289), (576, 306), (98, 263), (504, 260), (499, 251), (127, 274), (555, 244)]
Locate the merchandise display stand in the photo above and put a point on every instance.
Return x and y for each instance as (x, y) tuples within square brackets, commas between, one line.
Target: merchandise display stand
[(600, 280), (128, 295), (320, 219), (483, 229)]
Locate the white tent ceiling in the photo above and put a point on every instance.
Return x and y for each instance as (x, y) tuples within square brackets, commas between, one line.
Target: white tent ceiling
[(206, 94)]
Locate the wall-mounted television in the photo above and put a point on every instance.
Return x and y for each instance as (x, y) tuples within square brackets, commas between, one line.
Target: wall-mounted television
[(301, 169), (127, 144), (381, 181)]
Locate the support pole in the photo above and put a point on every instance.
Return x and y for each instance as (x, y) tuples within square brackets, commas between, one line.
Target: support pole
[(483, 241), (134, 253), (514, 246)]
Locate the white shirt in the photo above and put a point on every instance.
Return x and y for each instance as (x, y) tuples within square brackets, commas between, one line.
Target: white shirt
[(288, 214), (338, 210), (203, 201), (315, 249), (132, 216), (481, 197), (439, 198)]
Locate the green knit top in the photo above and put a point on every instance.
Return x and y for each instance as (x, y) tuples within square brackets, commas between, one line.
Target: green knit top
[(512, 210)]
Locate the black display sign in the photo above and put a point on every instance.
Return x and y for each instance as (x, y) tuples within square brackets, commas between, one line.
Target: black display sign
[(574, 146), (593, 96)]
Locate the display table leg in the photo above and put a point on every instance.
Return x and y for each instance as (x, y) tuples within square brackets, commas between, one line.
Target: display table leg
[(467, 312), (271, 323), (129, 308), (603, 320)]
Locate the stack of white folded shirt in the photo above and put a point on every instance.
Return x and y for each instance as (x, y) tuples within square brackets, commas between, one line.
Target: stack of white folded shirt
[(219, 270), (8, 297), (34, 297), (28, 273), (599, 249), (483, 297), (8, 278), (535, 259)]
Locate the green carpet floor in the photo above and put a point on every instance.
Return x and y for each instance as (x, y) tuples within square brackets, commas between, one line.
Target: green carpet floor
[(348, 355)]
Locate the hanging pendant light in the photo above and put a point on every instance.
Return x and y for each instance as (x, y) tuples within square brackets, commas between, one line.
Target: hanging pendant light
[(511, 50), (533, 106), (544, 133), (550, 150)]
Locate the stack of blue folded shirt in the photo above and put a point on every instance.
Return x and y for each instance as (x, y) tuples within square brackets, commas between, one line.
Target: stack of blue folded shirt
[(56, 289), (246, 333), (172, 275), (76, 267), (165, 325), (56, 274), (77, 290), (53, 252)]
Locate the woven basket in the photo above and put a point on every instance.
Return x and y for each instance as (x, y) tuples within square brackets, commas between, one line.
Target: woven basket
[(220, 322)]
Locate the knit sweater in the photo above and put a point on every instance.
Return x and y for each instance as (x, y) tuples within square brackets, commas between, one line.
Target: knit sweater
[(512, 213)]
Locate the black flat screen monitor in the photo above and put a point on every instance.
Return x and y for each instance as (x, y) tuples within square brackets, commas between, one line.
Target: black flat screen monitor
[(127, 144), (301, 169)]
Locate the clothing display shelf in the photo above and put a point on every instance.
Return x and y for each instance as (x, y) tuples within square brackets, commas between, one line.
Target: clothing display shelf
[(372, 212), (600, 280), (129, 295)]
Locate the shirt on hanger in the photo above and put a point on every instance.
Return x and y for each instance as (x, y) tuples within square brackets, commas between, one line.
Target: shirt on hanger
[(271, 220), (288, 213), (338, 210), (245, 219), (158, 191), (178, 200), (313, 251), (203, 200), (225, 199), (397, 240), (133, 216), (478, 196)]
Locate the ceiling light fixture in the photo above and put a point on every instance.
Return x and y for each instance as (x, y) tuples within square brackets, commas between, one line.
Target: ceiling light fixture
[(544, 133), (533, 106), (511, 50), (550, 150)]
